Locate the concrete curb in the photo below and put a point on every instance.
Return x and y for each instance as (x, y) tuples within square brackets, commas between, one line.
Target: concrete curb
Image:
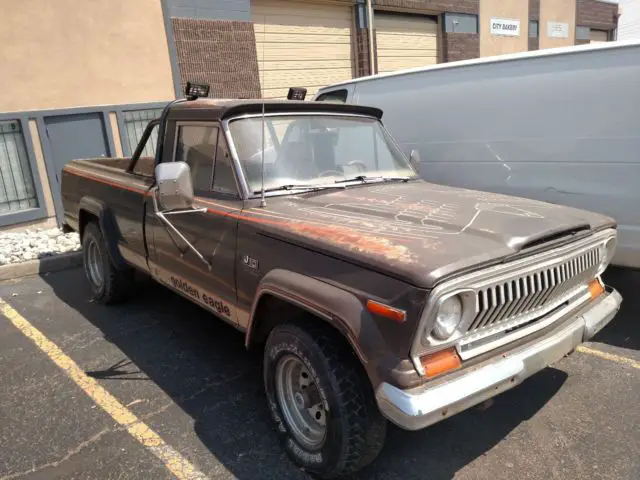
[(42, 265)]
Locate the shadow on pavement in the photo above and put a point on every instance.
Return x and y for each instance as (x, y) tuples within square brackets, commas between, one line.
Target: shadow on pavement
[(201, 363), (624, 329)]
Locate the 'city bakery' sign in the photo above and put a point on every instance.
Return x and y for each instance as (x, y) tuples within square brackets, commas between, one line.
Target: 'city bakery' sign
[(505, 26)]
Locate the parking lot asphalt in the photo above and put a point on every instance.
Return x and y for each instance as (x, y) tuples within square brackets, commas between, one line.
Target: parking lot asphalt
[(187, 378)]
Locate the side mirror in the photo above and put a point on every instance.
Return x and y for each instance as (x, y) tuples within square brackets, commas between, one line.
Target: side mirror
[(175, 190), (414, 159)]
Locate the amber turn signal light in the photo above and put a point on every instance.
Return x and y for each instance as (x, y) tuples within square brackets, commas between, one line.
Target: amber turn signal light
[(386, 311), (440, 362), (595, 288)]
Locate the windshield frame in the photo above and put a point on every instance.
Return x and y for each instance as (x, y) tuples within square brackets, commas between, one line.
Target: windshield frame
[(247, 193)]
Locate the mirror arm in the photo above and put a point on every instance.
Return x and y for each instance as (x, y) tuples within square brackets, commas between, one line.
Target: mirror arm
[(161, 216)]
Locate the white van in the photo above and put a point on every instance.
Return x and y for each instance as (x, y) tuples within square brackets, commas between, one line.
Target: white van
[(560, 125)]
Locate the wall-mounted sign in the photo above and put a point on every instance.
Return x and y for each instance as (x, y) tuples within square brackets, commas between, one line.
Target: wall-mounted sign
[(557, 30), (505, 26)]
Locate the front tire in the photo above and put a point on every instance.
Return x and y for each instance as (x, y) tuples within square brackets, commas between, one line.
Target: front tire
[(108, 284), (321, 401)]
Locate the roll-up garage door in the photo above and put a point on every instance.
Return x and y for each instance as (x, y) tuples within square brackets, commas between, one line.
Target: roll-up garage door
[(405, 41), (301, 44), (599, 36)]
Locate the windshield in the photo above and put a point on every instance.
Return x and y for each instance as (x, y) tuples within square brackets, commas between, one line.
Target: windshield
[(315, 150)]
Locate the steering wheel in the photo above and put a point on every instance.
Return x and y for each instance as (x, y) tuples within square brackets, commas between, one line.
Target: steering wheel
[(361, 166), (328, 173)]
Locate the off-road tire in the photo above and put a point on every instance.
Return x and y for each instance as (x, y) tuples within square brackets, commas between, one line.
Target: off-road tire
[(356, 429), (117, 285)]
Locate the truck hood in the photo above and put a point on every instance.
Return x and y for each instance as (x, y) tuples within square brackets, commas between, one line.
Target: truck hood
[(418, 231)]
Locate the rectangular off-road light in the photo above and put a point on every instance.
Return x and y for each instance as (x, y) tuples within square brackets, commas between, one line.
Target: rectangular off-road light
[(196, 90)]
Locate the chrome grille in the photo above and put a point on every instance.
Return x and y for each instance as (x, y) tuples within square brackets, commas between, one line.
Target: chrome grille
[(534, 291)]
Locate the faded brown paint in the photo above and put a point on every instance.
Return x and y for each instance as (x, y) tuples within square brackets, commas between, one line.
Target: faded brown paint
[(390, 242), (498, 44), (563, 11), (69, 53)]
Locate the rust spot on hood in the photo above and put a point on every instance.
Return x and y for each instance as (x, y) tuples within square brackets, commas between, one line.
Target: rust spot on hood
[(354, 240)]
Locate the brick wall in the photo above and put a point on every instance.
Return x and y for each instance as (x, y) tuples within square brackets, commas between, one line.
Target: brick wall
[(362, 51), (599, 15), (434, 6), (460, 46), (534, 9), (220, 53)]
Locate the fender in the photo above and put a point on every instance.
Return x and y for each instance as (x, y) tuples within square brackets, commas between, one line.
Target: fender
[(108, 226), (341, 309)]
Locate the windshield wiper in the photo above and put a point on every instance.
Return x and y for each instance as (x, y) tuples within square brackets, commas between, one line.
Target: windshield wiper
[(366, 178), (293, 187)]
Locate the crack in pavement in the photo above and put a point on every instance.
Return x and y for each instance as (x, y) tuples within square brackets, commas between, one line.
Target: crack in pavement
[(70, 453)]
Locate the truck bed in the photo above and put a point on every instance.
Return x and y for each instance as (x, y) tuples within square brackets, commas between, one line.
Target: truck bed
[(144, 167)]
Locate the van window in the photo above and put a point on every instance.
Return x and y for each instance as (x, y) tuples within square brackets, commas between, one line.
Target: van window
[(339, 96)]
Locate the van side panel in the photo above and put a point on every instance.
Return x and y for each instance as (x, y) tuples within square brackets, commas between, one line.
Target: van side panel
[(560, 128)]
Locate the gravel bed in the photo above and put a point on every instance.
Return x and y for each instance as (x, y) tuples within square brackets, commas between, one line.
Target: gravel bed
[(16, 247)]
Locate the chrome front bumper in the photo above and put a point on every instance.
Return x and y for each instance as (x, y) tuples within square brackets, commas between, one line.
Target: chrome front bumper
[(425, 405)]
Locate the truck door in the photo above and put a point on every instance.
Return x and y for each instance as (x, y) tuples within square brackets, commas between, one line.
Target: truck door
[(211, 229)]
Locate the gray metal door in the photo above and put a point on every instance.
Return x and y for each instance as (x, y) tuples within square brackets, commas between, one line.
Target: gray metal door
[(71, 137)]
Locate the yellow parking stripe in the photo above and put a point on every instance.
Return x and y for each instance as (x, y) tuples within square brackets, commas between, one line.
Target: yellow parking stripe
[(176, 463), (609, 356)]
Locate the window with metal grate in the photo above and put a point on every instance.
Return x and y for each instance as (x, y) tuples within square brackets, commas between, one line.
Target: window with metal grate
[(17, 191), (135, 121)]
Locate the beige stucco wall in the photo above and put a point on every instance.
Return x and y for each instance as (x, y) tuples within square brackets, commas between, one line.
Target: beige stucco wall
[(508, 9), (68, 53), (557, 11)]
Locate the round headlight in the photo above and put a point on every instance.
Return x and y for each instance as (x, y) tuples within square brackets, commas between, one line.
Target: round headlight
[(606, 252), (448, 318)]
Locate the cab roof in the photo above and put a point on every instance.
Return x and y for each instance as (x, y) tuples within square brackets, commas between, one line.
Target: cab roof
[(219, 109)]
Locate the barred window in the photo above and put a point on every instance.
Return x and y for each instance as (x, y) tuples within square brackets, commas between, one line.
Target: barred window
[(135, 121), (17, 190)]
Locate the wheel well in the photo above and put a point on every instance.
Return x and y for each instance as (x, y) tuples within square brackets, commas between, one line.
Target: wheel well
[(272, 311), (84, 219)]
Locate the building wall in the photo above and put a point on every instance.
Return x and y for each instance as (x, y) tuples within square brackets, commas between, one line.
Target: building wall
[(560, 11), (220, 53), (431, 6), (460, 46), (597, 14), (71, 53), (213, 42), (210, 9), (499, 44)]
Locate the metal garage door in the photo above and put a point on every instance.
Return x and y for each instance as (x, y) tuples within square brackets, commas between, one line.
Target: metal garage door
[(405, 41), (599, 36), (302, 45)]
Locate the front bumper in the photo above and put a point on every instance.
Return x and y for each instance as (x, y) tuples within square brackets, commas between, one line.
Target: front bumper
[(429, 403)]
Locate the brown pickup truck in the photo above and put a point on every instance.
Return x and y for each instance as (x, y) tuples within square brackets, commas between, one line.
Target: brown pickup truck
[(375, 295)]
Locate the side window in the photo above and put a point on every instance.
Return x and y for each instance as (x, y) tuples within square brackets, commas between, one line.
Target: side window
[(196, 145), (223, 178), (339, 96)]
